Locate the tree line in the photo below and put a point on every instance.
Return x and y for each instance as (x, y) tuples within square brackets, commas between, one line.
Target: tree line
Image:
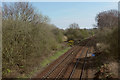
[(107, 33), (28, 37)]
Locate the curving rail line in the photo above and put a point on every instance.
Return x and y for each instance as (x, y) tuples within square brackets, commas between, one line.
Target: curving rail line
[(58, 70), (55, 67)]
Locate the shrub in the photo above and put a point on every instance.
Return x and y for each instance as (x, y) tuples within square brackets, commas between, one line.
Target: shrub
[(78, 34), (109, 38), (26, 42)]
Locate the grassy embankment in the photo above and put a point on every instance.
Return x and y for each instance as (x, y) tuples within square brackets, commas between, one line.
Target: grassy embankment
[(55, 56), (48, 60), (28, 38)]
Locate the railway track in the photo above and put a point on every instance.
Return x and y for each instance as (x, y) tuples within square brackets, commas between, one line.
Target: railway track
[(69, 65), (52, 73), (77, 69), (75, 66)]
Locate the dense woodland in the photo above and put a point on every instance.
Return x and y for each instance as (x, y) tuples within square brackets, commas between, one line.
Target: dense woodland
[(28, 37)]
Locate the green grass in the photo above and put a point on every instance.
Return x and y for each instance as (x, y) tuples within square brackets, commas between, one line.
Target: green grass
[(48, 60), (52, 58)]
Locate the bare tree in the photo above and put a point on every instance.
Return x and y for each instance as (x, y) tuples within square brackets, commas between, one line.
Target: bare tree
[(19, 10), (23, 11), (74, 26), (107, 19), (39, 18)]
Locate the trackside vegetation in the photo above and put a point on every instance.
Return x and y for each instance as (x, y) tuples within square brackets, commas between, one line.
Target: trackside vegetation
[(75, 33), (107, 33), (30, 42), (28, 38), (107, 44)]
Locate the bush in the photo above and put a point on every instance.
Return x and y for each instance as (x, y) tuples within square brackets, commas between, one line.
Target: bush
[(78, 34), (23, 42), (26, 42), (109, 38), (107, 35)]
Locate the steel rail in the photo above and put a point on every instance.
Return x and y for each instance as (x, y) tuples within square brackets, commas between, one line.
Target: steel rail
[(77, 63), (45, 77), (65, 66), (83, 66)]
